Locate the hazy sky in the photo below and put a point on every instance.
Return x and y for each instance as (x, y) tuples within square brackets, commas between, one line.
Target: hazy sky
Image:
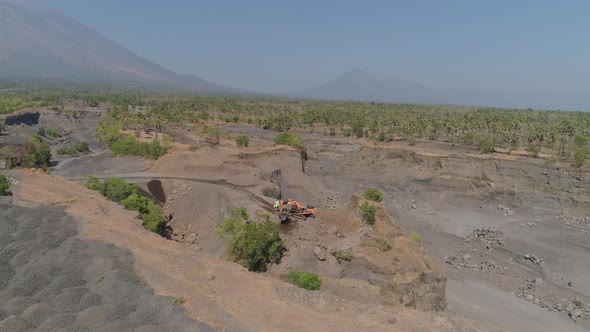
[(279, 46)]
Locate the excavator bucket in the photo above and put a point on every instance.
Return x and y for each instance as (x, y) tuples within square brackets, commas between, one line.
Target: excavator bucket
[(284, 218)]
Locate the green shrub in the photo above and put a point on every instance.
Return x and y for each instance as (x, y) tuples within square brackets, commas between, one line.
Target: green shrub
[(332, 131), (243, 140), (291, 139), (534, 150), (39, 157), (254, 244), (153, 220), (4, 185), (120, 144), (580, 156), (128, 145), (149, 212), (53, 133), (126, 194), (368, 212), (93, 183), (343, 255), (373, 194), (358, 129), (212, 134), (283, 122), (114, 189), (468, 138), (416, 237), (41, 132), (305, 280), (411, 141), (580, 141), (135, 202), (179, 300), (92, 102), (75, 149), (486, 145), (382, 244), (37, 139), (168, 139), (347, 132)]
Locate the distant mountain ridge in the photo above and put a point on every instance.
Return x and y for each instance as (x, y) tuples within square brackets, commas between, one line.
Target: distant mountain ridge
[(358, 85), (41, 44), (363, 86)]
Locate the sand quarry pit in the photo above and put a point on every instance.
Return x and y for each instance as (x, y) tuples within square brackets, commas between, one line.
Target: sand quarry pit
[(504, 238)]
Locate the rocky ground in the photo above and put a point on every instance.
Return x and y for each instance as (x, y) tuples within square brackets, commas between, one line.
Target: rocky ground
[(507, 235), (494, 222), (221, 294)]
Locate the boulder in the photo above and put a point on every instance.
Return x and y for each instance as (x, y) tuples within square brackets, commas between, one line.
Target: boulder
[(320, 253), (575, 313), (332, 230)]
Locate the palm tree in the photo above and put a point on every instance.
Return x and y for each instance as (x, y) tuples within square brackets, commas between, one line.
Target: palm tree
[(159, 122), (149, 121), (144, 119), (126, 116)]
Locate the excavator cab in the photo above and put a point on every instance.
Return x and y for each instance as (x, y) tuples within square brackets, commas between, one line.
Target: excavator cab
[(290, 208)]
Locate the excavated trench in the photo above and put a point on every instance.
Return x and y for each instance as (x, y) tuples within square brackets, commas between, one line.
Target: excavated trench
[(158, 191)]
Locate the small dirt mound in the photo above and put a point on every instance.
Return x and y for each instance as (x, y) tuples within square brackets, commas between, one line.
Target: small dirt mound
[(272, 192)]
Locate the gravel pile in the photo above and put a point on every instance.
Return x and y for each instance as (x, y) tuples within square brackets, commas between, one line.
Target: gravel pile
[(465, 263), (50, 280), (488, 236)]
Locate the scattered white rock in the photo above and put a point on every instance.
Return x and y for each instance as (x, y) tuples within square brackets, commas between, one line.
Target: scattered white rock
[(332, 230), (575, 313)]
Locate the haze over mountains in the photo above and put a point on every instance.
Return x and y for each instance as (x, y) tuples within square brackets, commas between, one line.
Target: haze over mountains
[(42, 45), (39, 44), (362, 86)]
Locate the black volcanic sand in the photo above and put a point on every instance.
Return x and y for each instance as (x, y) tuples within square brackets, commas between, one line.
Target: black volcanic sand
[(51, 280)]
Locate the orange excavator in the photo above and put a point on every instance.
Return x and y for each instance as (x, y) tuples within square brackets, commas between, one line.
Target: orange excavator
[(290, 208)]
